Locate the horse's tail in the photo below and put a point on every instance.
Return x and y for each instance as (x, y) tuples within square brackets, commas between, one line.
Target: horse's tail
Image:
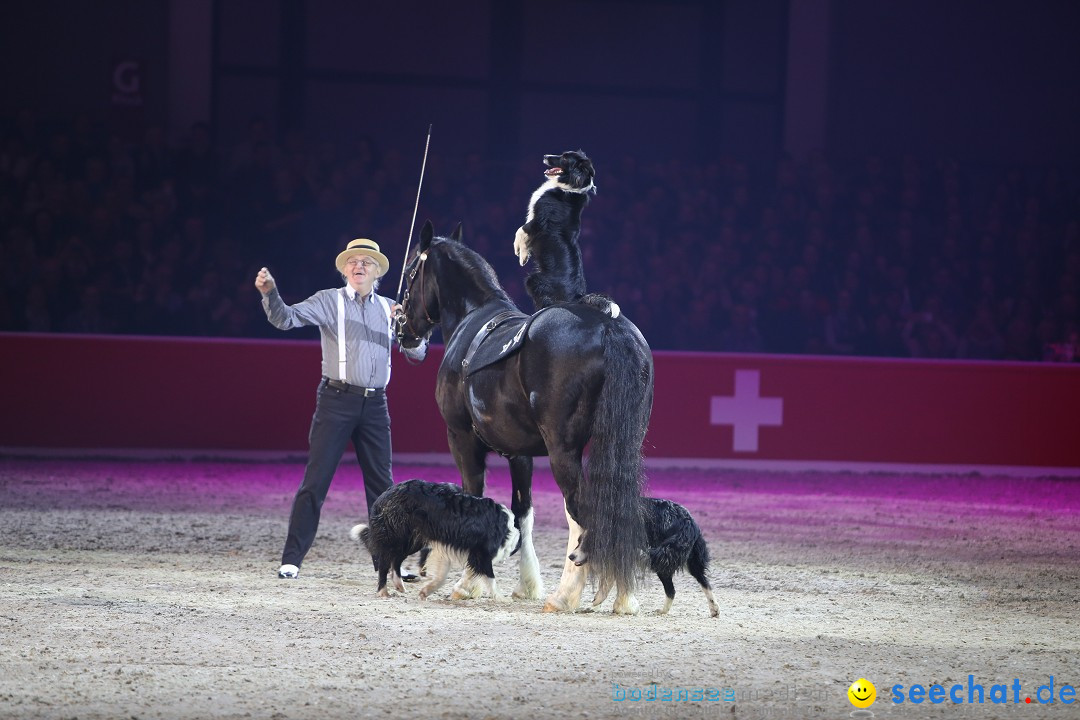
[(610, 496)]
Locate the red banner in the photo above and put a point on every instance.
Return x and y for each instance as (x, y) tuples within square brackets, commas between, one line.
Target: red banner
[(102, 392)]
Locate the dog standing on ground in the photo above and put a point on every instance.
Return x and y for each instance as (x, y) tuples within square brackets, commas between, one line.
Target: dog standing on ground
[(474, 531), (552, 225), (675, 543)]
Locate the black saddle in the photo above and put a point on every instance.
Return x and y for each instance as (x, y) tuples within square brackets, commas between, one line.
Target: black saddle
[(497, 339)]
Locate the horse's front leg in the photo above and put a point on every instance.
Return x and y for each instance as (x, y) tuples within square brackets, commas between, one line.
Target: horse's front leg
[(470, 456), (530, 584), (567, 597), (625, 601)]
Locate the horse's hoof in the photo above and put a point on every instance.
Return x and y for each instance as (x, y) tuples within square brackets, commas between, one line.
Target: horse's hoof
[(626, 606), (555, 604), (528, 593), (384, 593), (466, 592)]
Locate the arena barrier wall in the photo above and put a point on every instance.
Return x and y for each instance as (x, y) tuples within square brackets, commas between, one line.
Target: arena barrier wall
[(123, 392)]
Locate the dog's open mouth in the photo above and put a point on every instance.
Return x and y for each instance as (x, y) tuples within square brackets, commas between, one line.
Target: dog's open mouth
[(553, 171)]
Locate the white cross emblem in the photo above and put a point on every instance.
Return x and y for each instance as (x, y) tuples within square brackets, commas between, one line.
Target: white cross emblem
[(747, 410)]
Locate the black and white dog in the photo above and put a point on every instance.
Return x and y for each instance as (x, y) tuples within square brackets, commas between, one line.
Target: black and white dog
[(472, 531), (552, 225), (675, 543)]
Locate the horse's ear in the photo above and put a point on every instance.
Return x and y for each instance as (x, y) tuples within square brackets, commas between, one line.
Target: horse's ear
[(426, 233), (456, 235)]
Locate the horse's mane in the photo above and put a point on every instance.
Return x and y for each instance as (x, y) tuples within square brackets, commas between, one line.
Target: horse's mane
[(475, 267)]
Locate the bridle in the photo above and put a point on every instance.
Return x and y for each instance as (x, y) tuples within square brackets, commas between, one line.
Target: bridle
[(404, 327), (403, 324)]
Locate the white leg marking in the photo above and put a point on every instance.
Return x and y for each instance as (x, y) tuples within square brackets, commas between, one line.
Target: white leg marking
[(530, 584), (568, 595), (625, 604)]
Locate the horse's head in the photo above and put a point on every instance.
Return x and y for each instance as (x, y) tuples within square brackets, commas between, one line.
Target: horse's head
[(420, 311), (446, 281)]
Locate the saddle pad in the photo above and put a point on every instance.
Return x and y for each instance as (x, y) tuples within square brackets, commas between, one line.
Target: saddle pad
[(497, 339)]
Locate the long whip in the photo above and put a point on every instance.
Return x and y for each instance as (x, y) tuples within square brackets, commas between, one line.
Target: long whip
[(416, 207)]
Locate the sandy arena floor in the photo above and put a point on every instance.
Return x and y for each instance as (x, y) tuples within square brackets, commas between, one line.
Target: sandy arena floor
[(148, 590)]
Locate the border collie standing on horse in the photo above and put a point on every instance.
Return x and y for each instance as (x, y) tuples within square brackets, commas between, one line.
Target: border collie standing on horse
[(548, 384), (552, 225)]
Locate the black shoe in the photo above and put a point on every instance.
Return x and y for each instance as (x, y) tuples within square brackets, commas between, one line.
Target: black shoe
[(409, 577)]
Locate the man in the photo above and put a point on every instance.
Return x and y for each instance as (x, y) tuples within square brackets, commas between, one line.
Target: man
[(351, 398)]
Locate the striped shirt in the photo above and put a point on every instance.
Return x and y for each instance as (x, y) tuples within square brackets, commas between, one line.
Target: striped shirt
[(368, 331)]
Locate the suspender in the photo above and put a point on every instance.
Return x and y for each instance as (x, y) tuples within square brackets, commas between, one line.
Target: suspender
[(389, 332), (341, 333)]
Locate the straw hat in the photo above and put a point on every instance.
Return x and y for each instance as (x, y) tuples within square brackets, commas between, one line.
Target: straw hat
[(362, 246)]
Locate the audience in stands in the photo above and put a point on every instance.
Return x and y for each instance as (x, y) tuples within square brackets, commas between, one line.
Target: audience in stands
[(904, 258)]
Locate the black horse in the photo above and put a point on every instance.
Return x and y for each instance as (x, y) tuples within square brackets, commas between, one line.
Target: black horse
[(571, 375)]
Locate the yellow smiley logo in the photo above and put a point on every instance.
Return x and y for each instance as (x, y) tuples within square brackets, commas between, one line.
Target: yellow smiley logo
[(862, 693)]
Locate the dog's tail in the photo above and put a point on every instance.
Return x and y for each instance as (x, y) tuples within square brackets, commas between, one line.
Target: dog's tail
[(361, 533), (699, 556), (609, 499)]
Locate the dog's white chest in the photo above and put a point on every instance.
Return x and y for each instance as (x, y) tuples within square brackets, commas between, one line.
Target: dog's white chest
[(550, 184)]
